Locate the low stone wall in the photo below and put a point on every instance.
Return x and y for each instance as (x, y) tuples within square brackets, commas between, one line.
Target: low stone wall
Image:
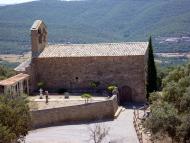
[(85, 112)]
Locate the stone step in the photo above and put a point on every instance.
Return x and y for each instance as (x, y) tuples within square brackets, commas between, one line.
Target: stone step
[(119, 110)]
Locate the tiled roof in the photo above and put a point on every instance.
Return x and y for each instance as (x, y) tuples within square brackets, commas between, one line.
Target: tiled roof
[(14, 79), (100, 49), (22, 67)]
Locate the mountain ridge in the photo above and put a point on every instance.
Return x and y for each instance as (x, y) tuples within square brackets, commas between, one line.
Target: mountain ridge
[(96, 21)]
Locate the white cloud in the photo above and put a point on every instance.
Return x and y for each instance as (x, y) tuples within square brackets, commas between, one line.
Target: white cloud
[(72, 0), (7, 2), (14, 1)]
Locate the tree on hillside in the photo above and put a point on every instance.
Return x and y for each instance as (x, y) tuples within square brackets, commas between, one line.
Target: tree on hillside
[(15, 118), (162, 72), (6, 72), (152, 73), (163, 121), (170, 110)]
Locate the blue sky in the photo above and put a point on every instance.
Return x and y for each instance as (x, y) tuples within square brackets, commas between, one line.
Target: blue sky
[(14, 1)]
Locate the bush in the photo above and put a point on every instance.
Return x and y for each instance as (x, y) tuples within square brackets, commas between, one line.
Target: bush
[(95, 84), (86, 96), (15, 118), (40, 85), (6, 72), (170, 112), (163, 120), (111, 88), (155, 97)]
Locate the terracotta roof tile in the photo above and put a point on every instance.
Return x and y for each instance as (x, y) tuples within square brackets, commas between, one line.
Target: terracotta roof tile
[(14, 79), (100, 49)]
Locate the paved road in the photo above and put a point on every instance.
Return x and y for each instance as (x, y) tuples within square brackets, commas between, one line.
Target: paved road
[(121, 131)]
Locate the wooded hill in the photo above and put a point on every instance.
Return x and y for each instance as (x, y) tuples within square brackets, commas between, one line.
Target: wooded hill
[(93, 21)]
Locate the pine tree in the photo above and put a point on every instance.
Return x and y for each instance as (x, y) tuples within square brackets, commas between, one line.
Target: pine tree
[(152, 73)]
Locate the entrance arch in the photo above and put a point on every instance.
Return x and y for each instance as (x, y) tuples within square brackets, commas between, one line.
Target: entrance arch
[(125, 94)]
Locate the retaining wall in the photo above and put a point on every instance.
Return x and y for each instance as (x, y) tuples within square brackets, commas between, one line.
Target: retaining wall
[(78, 113)]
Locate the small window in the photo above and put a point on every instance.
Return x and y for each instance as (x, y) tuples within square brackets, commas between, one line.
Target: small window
[(76, 79), (40, 38), (39, 31)]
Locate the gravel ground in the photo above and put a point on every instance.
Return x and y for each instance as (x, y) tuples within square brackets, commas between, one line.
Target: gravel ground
[(59, 101), (121, 131)]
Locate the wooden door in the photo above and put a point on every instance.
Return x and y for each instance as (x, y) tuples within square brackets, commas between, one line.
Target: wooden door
[(125, 94)]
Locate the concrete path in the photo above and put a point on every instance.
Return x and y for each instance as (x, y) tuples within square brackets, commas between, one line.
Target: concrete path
[(121, 131)]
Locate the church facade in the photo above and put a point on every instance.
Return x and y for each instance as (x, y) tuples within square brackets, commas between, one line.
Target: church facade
[(76, 66)]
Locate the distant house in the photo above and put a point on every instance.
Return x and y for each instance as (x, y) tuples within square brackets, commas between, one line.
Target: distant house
[(75, 66), (16, 85)]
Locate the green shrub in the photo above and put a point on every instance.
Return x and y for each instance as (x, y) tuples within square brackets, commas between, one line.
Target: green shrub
[(155, 97), (6, 72), (15, 119), (95, 84), (110, 88), (40, 85), (86, 96)]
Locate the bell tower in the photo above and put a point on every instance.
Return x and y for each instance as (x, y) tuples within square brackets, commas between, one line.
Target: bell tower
[(39, 37)]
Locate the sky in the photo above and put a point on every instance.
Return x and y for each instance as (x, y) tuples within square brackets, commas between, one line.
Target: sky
[(14, 1), (5, 2)]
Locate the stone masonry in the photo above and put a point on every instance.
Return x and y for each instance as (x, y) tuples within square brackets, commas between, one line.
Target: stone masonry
[(73, 66)]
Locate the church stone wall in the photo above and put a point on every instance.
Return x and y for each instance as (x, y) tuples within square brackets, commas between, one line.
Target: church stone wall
[(78, 73)]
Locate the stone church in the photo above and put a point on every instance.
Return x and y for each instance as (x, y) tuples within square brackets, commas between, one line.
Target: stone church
[(76, 66)]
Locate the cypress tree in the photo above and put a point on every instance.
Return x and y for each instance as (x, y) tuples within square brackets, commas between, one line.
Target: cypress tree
[(151, 73)]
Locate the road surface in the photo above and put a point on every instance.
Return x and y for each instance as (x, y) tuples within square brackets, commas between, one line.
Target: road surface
[(121, 131)]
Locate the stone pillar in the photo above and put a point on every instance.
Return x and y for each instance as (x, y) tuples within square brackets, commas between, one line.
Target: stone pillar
[(18, 87), (14, 90), (27, 86), (11, 89), (5, 89), (21, 87)]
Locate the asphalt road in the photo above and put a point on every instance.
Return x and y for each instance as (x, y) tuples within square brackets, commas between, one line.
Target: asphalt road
[(121, 131)]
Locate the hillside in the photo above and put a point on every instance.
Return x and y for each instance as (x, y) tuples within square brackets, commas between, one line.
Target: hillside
[(93, 21)]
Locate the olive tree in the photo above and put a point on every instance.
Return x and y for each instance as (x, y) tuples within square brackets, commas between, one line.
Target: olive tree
[(15, 118), (98, 132), (163, 120), (170, 111)]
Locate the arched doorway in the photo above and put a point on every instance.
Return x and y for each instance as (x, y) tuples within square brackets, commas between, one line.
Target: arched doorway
[(125, 94)]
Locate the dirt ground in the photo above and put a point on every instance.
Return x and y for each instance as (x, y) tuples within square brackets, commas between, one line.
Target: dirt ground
[(12, 58), (55, 101), (173, 55)]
